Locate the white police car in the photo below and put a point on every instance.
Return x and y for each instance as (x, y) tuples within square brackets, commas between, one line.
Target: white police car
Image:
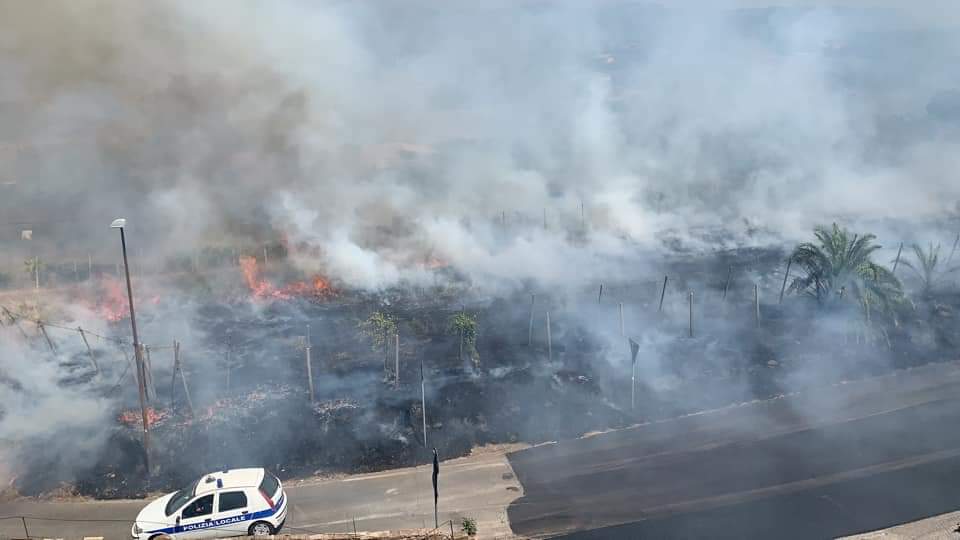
[(236, 502)]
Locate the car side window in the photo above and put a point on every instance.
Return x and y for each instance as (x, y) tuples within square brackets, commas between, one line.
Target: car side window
[(232, 500), (199, 507)]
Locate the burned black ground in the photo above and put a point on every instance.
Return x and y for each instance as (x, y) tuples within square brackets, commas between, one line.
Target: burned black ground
[(248, 376)]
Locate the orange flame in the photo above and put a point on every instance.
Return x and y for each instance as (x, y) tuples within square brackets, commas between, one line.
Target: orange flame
[(317, 287), (434, 263), (113, 306), (135, 419)]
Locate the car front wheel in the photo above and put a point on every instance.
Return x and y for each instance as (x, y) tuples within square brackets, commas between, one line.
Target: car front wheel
[(261, 528)]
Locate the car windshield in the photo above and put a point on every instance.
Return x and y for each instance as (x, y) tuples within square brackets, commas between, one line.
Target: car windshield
[(181, 497)]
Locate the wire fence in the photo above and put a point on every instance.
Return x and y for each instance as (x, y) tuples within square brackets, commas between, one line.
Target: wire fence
[(10, 317), (14, 317)]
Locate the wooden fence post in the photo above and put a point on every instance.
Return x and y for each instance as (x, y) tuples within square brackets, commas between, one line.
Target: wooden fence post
[(726, 284), (309, 367), (148, 368), (15, 321), (756, 302), (43, 330), (93, 359), (533, 301), (785, 276), (549, 340), (663, 292), (183, 376)]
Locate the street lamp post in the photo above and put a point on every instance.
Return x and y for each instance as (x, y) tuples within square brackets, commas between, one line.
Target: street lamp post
[(120, 223)]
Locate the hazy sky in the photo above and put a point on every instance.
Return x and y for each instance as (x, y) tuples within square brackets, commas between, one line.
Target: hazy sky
[(939, 12)]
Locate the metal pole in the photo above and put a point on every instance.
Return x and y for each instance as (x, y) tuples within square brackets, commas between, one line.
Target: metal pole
[(173, 377), (309, 367), (423, 403), (663, 292), (756, 302), (396, 358), (141, 388), (785, 276), (691, 313), (633, 382), (265, 258), (89, 266), (533, 300), (600, 296), (26, 533), (549, 340)]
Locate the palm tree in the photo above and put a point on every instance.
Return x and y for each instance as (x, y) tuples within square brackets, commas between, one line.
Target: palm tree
[(379, 328), (839, 266), (465, 326), (926, 267)]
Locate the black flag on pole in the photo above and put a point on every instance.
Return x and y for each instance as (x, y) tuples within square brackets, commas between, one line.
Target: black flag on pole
[(436, 493), (634, 349)]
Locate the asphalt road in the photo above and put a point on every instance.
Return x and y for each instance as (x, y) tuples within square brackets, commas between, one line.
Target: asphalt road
[(838, 461), (479, 487)]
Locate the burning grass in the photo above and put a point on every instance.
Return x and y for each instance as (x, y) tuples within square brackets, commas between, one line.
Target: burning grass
[(258, 412), (316, 288)]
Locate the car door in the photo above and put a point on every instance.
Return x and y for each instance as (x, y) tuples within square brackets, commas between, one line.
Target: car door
[(196, 519), (233, 511)]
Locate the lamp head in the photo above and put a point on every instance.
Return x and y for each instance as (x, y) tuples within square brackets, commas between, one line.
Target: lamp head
[(118, 223)]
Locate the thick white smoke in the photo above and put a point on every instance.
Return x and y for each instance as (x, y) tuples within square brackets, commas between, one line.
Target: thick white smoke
[(42, 419), (377, 133)]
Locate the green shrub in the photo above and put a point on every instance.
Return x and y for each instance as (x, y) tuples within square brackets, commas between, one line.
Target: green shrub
[(469, 526)]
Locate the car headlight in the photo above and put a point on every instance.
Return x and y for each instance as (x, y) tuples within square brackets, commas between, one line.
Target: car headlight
[(137, 529)]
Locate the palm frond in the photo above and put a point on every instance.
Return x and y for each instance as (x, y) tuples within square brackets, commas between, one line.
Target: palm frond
[(840, 261)]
